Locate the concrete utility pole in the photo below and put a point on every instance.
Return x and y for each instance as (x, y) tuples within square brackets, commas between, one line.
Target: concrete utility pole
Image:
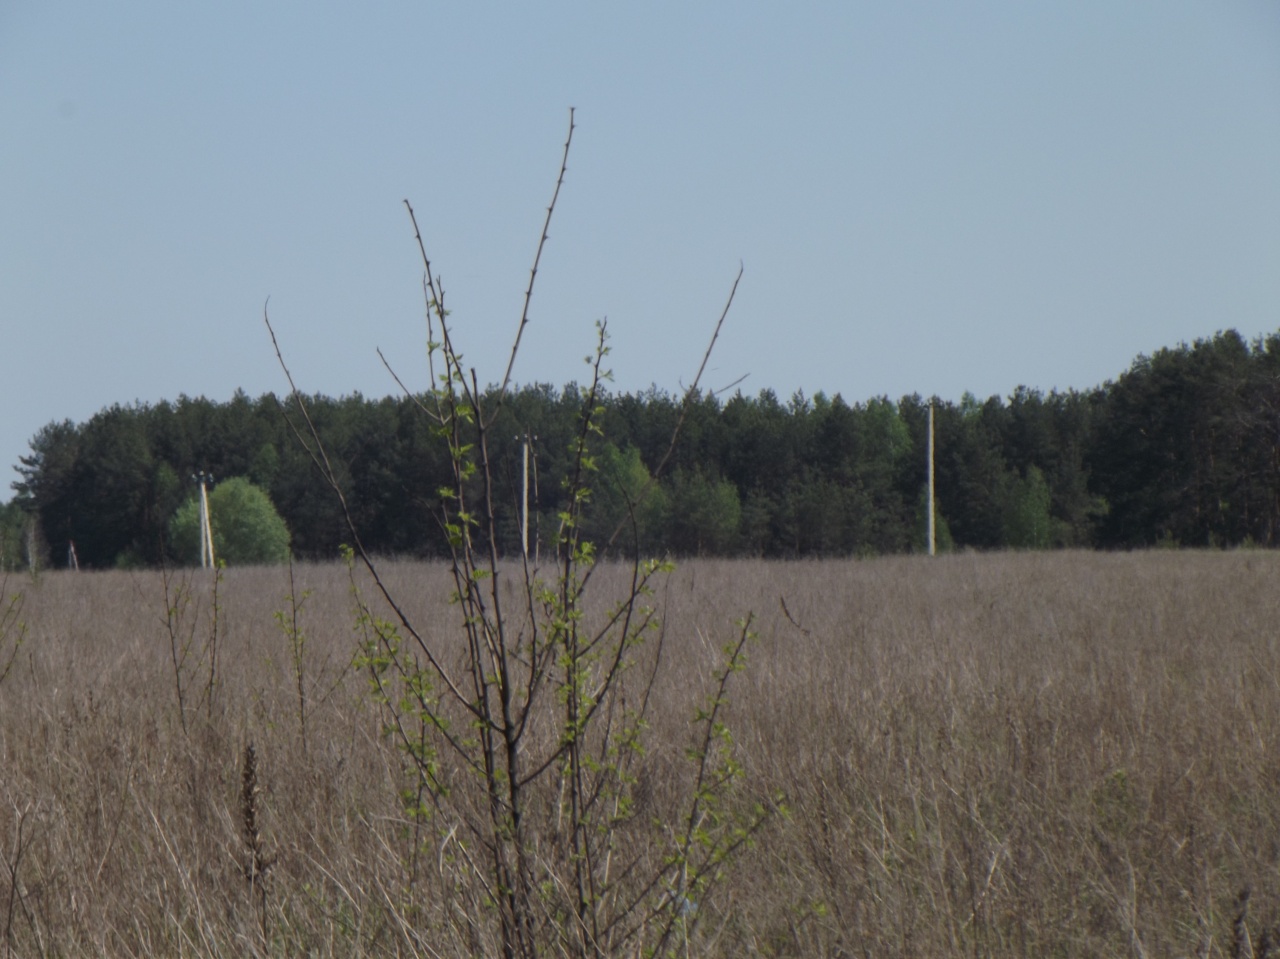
[(524, 497), (204, 480), (526, 443), (933, 531)]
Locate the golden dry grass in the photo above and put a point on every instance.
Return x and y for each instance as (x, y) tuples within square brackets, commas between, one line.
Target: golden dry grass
[(1062, 754)]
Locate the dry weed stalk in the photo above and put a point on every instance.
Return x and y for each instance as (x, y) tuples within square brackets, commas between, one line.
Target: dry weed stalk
[(288, 620), (257, 864), (194, 660), (16, 901), (12, 629)]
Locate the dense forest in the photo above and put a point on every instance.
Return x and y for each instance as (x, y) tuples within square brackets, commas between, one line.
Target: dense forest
[(1181, 449)]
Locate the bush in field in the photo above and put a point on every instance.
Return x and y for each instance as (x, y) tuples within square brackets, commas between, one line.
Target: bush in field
[(247, 529)]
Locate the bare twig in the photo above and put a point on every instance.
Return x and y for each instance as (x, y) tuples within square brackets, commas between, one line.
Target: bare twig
[(537, 258), (782, 600)]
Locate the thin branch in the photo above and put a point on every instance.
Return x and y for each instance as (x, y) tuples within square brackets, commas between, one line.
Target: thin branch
[(689, 395), (321, 459), (533, 272), (791, 619), (404, 389), (691, 392), (726, 388)]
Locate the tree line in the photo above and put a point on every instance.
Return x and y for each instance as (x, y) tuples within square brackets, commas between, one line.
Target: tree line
[(1183, 449)]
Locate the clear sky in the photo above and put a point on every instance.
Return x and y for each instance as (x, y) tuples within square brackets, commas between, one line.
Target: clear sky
[(926, 197)]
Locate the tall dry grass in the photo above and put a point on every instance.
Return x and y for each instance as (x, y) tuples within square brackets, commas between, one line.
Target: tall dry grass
[(1033, 755)]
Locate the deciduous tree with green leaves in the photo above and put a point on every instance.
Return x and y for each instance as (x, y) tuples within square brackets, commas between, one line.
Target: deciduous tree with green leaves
[(247, 530)]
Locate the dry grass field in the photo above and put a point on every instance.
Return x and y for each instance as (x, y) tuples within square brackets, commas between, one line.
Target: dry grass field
[(1058, 754)]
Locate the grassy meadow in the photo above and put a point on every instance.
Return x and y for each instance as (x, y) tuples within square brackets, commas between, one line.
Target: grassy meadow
[(1041, 754)]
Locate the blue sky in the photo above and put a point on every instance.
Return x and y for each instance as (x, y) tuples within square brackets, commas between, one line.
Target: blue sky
[(926, 197)]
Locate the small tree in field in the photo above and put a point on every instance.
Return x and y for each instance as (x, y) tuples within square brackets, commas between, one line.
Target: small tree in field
[(13, 528), (522, 722), (1027, 521), (625, 495), (247, 530)]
